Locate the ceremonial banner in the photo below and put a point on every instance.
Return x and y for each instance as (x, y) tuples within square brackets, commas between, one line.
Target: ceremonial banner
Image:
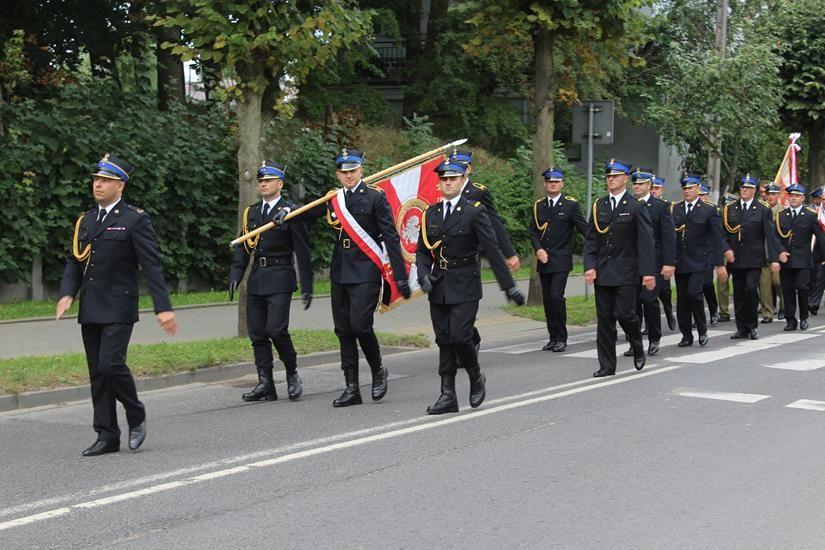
[(409, 194), (788, 173)]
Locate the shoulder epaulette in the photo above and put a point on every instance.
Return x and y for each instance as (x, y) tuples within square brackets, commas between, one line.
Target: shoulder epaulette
[(135, 208), (811, 210), (764, 203), (570, 198), (480, 186), (709, 202), (477, 204), (375, 188), (540, 200)]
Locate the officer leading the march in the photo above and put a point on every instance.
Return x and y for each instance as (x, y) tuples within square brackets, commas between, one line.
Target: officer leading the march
[(551, 235), (272, 281), (750, 234), (796, 226), (453, 232), (618, 251), (110, 242), (362, 218), (699, 246)]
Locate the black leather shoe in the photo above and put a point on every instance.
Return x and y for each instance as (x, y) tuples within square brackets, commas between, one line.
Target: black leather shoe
[(685, 343), (137, 436), (549, 345), (813, 310), (101, 447), (653, 348), (478, 390), (560, 346), (265, 389), (447, 402), (351, 396), (352, 393), (639, 362), (703, 339), (379, 384), (803, 324), (766, 320), (780, 315), (294, 386), (628, 353), (671, 322), (724, 318), (739, 335), (603, 372), (790, 326), (754, 334), (714, 320)]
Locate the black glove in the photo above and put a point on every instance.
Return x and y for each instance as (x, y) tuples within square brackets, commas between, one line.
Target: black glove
[(233, 286), (279, 216), (425, 283), (306, 297), (404, 287), (515, 295)]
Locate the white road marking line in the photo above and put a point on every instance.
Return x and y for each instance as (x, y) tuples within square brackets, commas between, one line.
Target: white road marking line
[(799, 365), (807, 404), (744, 346), (332, 447), (669, 340), (529, 347), (723, 396)]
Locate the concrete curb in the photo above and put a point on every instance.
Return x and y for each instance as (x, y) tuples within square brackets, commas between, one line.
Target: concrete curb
[(28, 400)]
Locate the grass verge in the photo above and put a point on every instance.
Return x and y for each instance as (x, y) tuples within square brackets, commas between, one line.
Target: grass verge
[(28, 373), (580, 312), (28, 309)]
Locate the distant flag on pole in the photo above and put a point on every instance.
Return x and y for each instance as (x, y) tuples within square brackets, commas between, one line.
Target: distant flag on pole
[(788, 172)]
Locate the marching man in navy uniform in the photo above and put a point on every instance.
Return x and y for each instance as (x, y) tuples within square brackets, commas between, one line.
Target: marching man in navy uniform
[(664, 239), (618, 251), (356, 278), (551, 234), (699, 244), (271, 282), (818, 271), (796, 226), (750, 233), (110, 242), (453, 232), (657, 190)]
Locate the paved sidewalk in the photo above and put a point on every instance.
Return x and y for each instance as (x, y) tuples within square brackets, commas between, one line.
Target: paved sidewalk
[(202, 323)]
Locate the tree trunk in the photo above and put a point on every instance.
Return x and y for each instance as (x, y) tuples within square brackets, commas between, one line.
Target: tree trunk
[(544, 97), (171, 82), (249, 155), (816, 155), (734, 166)]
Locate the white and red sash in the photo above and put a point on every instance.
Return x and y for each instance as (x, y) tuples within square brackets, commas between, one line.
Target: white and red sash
[(375, 252)]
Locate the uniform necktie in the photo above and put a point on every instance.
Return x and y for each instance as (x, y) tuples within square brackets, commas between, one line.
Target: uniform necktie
[(744, 205), (448, 211), (101, 215), (793, 214), (266, 209), (690, 207), (349, 195), (612, 204)]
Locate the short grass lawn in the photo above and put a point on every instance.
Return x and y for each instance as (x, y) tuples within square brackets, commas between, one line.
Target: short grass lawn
[(580, 312), (49, 371)]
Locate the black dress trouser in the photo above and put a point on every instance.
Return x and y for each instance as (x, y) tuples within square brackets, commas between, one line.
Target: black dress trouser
[(553, 286), (110, 379), (267, 318), (795, 284), (353, 308), (689, 303), (616, 303), (649, 309), (453, 327), (746, 297)]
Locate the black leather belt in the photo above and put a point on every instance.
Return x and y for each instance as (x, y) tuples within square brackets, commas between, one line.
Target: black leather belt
[(267, 261), (444, 265)]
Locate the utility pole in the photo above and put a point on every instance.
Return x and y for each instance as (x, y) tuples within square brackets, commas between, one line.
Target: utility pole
[(714, 155)]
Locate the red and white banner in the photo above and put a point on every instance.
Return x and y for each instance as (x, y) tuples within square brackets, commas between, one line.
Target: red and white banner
[(409, 194), (788, 172)]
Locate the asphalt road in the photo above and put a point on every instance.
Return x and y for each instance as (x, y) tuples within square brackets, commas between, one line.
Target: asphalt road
[(705, 448)]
